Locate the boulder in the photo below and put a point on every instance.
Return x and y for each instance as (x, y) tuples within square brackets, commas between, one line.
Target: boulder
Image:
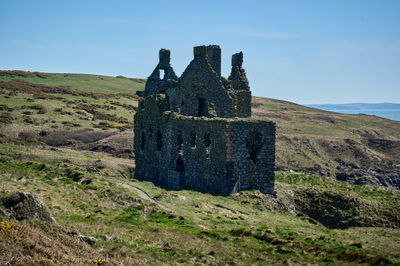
[(88, 239), (24, 205)]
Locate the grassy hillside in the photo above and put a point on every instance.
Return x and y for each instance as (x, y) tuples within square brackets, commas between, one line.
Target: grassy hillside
[(196, 227), (81, 82), (356, 148), (68, 139)]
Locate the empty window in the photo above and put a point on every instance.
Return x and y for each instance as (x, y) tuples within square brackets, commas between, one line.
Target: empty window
[(207, 144), (179, 140), (254, 144), (193, 139), (159, 140), (162, 74), (202, 107), (207, 140), (143, 141)]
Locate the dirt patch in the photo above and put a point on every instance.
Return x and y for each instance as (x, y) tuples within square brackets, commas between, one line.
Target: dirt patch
[(120, 145), (71, 137)]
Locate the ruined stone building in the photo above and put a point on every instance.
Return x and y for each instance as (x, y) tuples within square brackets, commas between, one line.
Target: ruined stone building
[(195, 131)]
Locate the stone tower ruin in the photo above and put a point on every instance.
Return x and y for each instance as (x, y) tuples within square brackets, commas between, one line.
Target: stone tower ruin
[(196, 132)]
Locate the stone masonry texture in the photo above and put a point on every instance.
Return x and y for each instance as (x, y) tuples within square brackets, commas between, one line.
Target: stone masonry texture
[(196, 132)]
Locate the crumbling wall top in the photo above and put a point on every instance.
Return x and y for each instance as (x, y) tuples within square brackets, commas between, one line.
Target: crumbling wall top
[(200, 51), (214, 58), (237, 59), (238, 74), (165, 58)]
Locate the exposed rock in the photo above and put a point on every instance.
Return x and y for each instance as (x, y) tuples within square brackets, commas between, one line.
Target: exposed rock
[(25, 205), (88, 239), (86, 181), (99, 164)]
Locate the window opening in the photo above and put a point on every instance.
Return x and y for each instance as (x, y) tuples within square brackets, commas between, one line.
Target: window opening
[(162, 74), (159, 140), (202, 107), (193, 140), (207, 144), (143, 141), (254, 144), (179, 141)]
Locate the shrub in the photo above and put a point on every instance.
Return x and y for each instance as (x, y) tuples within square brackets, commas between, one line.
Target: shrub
[(4, 107), (20, 73), (66, 180), (131, 214), (28, 120), (6, 118), (40, 108), (70, 124), (41, 75), (105, 125)]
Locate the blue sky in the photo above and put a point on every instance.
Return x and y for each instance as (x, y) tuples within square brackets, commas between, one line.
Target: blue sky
[(301, 51)]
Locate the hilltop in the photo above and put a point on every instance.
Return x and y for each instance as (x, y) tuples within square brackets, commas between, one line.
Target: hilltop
[(68, 139), (358, 106)]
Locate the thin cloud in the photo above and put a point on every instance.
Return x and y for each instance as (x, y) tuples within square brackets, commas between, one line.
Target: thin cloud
[(25, 44), (261, 34), (366, 46), (97, 20)]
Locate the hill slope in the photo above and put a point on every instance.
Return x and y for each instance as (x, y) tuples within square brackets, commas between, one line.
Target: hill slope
[(70, 143), (356, 148), (138, 223)]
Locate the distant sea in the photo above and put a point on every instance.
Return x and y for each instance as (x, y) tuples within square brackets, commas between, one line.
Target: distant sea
[(385, 110)]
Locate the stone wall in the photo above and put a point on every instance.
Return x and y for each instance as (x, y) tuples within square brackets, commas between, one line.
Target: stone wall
[(205, 154), (252, 154)]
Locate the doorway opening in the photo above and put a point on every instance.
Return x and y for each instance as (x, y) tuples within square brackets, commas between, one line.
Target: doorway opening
[(180, 168)]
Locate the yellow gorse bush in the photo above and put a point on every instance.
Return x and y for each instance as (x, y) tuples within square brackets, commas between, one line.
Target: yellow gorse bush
[(8, 227), (94, 261), (20, 73)]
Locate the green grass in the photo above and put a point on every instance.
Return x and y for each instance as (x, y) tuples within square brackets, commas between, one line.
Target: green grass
[(200, 225), (87, 82), (59, 111)]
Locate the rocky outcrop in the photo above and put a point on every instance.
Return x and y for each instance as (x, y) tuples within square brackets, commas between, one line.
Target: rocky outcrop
[(25, 205), (332, 209)]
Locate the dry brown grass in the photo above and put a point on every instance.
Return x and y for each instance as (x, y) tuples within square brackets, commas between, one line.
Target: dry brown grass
[(45, 244)]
